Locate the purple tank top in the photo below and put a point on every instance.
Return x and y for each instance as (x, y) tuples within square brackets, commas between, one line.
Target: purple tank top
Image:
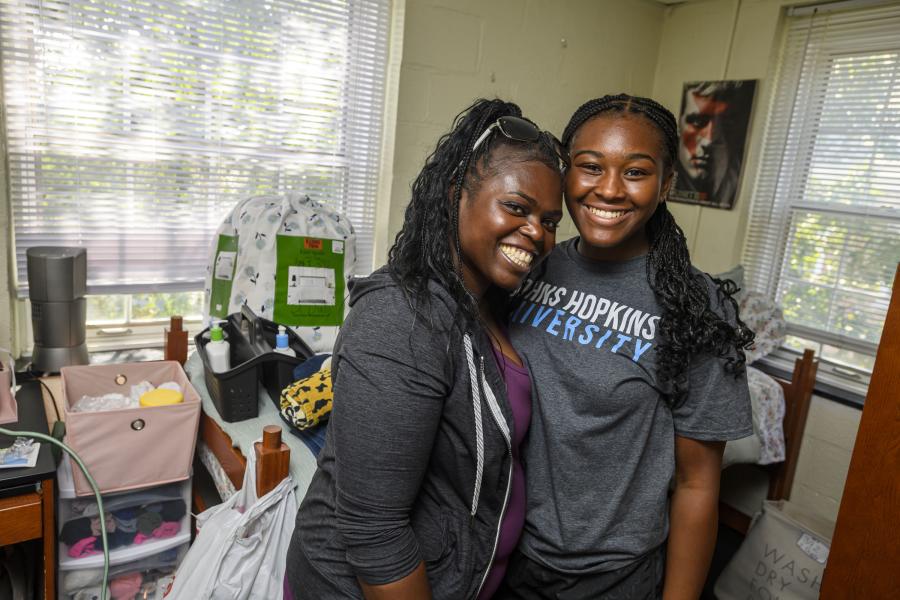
[(518, 390)]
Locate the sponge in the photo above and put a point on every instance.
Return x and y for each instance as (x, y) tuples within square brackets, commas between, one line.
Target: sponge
[(161, 397)]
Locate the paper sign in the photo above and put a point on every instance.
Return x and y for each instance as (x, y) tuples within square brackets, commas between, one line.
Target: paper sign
[(309, 281), (223, 274)]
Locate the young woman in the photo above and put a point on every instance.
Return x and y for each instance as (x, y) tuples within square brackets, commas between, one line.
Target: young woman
[(638, 365), (419, 493)]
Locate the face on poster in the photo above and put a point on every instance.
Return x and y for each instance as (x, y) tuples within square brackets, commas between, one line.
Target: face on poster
[(712, 127)]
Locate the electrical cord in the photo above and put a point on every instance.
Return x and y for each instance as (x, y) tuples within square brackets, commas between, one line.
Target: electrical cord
[(29, 375), (52, 399), (93, 485)]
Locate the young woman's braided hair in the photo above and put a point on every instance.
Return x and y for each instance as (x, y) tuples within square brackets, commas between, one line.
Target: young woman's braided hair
[(429, 240), (689, 325)]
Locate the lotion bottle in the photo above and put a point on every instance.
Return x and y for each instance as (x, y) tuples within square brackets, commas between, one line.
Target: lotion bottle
[(281, 343), (218, 352)]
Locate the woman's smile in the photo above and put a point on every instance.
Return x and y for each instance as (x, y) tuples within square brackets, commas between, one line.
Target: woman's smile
[(517, 256), (614, 185), (606, 217), (506, 222)]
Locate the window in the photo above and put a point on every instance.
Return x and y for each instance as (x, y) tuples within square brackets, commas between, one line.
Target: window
[(134, 126), (119, 321), (118, 309), (824, 231)]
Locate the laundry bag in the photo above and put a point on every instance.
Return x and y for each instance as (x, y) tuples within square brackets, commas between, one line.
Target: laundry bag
[(241, 545), (130, 448), (783, 556), (289, 259)]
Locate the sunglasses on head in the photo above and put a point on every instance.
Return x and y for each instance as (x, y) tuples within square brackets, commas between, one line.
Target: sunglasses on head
[(522, 130)]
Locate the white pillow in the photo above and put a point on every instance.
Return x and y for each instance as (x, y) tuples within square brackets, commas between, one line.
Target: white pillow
[(766, 320), (744, 450)]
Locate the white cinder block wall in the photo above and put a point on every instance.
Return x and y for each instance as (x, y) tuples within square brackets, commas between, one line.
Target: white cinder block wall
[(457, 50), (739, 40), (825, 457), (548, 56)]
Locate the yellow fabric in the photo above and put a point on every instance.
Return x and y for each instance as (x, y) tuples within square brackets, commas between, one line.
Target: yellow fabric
[(307, 402)]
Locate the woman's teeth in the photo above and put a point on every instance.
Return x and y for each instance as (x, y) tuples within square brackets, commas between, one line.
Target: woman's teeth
[(606, 214), (519, 257)]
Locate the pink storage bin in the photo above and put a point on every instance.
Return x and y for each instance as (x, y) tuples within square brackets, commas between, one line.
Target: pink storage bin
[(9, 412), (136, 447)]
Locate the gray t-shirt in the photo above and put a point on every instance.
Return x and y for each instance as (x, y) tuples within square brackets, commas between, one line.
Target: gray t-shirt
[(601, 451)]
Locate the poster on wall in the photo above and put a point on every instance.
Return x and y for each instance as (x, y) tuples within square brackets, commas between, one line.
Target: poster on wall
[(712, 128)]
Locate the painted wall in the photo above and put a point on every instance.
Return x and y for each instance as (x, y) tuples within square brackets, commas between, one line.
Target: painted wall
[(825, 456), (710, 40), (457, 50), (736, 39), (549, 56)]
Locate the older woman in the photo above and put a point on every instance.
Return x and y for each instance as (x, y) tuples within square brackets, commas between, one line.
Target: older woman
[(419, 493)]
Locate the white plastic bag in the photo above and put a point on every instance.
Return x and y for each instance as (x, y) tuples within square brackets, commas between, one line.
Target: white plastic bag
[(241, 548)]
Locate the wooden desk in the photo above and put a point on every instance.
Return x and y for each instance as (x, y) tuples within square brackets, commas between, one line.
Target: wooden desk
[(27, 504)]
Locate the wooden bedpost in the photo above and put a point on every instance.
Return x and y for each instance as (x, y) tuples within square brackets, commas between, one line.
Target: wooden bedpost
[(800, 391), (273, 459)]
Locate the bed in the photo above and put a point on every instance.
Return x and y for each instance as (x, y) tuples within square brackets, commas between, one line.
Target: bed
[(762, 466), (746, 485), (222, 447)]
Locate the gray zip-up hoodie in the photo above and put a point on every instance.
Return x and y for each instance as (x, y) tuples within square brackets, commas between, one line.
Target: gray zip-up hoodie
[(416, 464)]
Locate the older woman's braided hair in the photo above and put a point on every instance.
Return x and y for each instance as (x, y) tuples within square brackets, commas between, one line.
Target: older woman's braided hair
[(689, 325), (428, 247)]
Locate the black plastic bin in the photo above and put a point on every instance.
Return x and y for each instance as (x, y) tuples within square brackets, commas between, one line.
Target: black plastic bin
[(251, 340)]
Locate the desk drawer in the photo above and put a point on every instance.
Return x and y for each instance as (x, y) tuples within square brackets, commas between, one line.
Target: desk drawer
[(20, 518)]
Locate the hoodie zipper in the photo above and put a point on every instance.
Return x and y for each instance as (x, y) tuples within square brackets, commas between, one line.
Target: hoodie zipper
[(504, 429)]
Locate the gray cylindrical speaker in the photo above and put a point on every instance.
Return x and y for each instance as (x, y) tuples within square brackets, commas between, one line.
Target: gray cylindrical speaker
[(57, 282)]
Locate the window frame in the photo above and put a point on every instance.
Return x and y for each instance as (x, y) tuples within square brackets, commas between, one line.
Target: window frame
[(831, 382), (369, 190), (835, 380), (135, 333), (151, 334)]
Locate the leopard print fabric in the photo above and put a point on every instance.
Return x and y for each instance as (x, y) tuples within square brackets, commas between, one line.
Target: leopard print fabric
[(307, 402)]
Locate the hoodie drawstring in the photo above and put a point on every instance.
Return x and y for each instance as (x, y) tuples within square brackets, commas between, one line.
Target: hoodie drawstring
[(479, 425), (478, 382)]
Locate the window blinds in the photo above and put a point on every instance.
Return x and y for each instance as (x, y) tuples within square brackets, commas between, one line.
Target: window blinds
[(133, 126), (824, 231)]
